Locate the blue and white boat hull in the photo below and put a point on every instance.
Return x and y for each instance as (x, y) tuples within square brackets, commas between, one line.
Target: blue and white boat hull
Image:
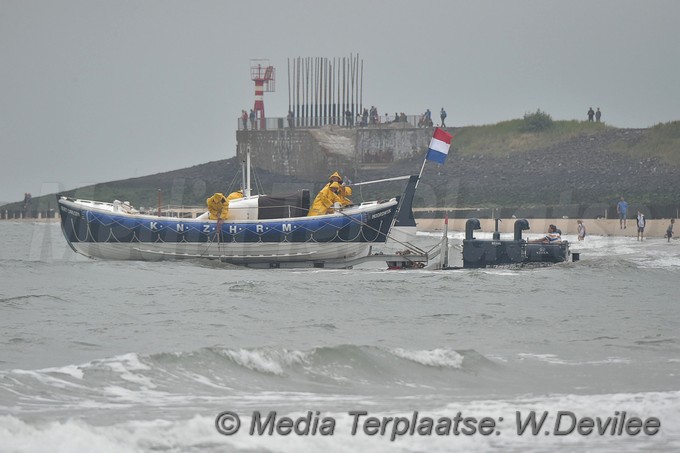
[(103, 230)]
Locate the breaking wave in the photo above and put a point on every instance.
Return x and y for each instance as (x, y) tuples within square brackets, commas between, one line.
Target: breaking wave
[(197, 433), (214, 373)]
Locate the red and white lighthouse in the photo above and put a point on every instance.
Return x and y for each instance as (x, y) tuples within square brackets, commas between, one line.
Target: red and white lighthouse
[(263, 74)]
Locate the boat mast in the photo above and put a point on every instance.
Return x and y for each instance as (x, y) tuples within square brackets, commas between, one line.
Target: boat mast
[(243, 176), (246, 182)]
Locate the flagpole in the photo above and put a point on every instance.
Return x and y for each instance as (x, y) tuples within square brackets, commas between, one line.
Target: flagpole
[(421, 172)]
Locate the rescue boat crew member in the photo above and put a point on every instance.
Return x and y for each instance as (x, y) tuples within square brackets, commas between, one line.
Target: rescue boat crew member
[(345, 191), (218, 204), (326, 198), (233, 196)]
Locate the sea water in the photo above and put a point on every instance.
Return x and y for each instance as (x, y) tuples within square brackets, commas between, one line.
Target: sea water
[(139, 356)]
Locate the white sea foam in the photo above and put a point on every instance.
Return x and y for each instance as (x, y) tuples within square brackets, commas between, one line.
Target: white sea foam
[(198, 433), (124, 365), (45, 378), (446, 358), (552, 358), (204, 380), (661, 261), (72, 370), (265, 360), (135, 396)]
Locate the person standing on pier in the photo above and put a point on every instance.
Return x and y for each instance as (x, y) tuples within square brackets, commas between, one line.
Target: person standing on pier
[(253, 116), (669, 230), (581, 230), (244, 119), (641, 222), (622, 211)]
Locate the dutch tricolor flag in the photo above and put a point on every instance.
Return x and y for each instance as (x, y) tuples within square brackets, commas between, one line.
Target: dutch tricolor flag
[(439, 146)]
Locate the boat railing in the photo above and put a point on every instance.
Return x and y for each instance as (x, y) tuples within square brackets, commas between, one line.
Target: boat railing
[(178, 211), (192, 212)]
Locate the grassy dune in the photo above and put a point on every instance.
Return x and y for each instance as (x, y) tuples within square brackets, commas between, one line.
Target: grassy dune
[(496, 143), (661, 141)]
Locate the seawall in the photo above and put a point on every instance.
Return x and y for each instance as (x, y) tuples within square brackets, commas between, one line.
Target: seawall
[(314, 153)]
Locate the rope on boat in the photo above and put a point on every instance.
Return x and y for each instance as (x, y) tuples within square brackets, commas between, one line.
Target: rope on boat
[(408, 246)]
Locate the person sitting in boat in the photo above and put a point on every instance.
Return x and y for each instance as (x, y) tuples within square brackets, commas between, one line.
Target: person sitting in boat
[(553, 237), (326, 199), (218, 204), (234, 196)]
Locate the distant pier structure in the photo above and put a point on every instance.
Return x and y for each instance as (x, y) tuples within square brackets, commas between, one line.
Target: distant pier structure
[(324, 91)]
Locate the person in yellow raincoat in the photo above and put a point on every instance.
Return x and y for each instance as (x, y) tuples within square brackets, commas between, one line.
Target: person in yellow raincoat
[(235, 195), (345, 191), (218, 204), (326, 198)]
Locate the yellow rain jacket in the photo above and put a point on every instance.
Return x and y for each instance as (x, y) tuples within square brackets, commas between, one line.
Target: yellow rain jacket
[(345, 191), (232, 196), (218, 205), (323, 203), (235, 195)]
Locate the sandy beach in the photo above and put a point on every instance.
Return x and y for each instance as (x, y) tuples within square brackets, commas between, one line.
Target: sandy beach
[(601, 227)]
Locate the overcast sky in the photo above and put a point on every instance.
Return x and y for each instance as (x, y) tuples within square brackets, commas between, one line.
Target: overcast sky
[(95, 91)]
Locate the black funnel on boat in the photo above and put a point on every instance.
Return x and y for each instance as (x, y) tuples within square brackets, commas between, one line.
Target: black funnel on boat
[(470, 226), (520, 225), (405, 216), (496, 232)]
